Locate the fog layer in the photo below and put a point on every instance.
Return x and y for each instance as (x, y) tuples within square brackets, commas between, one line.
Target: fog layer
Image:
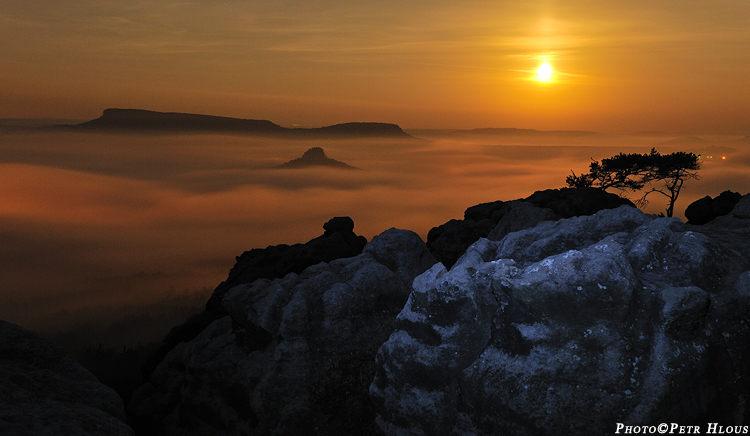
[(99, 226)]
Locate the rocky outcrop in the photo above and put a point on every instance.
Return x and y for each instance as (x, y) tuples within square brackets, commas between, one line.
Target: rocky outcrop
[(552, 326), (294, 355), (315, 157), (570, 327), (732, 230), (495, 220), (337, 241), (706, 209), (570, 202), (45, 392), (742, 208)]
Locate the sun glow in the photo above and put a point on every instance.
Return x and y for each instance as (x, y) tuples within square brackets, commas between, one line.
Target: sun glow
[(544, 73)]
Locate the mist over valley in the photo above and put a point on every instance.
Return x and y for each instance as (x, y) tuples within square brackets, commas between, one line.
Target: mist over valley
[(99, 226)]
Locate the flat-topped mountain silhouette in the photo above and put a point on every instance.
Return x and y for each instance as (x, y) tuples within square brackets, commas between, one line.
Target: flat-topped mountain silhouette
[(315, 157), (139, 120)]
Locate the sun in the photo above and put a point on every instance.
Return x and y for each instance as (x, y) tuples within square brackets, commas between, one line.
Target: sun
[(544, 73)]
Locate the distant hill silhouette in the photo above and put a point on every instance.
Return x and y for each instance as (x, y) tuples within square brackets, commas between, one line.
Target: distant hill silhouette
[(32, 123), (357, 129), (717, 150), (139, 120), (508, 131), (530, 132), (685, 140), (315, 157)]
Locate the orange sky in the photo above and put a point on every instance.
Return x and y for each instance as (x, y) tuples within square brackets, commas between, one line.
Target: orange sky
[(672, 65)]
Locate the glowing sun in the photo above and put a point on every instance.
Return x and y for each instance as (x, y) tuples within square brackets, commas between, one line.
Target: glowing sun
[(544, 73)]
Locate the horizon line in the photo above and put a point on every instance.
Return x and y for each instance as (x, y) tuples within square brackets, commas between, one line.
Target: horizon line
[(43, 122)]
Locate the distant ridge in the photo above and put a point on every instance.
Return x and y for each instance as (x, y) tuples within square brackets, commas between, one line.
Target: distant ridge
[(140, 120), (685, 140), (33, 123), (531, 132), (505, 131)]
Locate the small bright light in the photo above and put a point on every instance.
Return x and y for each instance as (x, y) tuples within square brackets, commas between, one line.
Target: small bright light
[(723, 158), (544, 73)]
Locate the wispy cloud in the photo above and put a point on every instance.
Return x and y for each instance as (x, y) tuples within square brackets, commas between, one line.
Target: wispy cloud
[(455, 58)]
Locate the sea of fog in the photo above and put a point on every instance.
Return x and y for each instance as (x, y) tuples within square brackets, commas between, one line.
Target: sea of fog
[(129, 234)]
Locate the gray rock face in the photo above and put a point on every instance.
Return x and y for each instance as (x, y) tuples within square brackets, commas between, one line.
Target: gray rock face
[(294, 356), (731, 230), (338, 240), (494, 220), (276, 261), (742, 208), (568, 328), (520, 215), (45, 392)]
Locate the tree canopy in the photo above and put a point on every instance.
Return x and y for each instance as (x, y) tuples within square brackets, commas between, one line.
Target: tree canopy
[(664, 174)]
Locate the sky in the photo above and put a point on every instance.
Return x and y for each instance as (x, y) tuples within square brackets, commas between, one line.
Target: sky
[(617, 66)]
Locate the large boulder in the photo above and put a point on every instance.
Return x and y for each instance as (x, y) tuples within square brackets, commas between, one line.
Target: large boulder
[(294, 355), (706, 209), (337, 241), (569, 328), (742, 208), (570, 202), (732, 229), (494, 220), (43, 391), (518, 216)]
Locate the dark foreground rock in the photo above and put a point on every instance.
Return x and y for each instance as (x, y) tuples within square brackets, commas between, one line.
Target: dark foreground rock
[(45, 392), (295, 355), (570, 327), (496, 219), (732, 230), (706, 209), (337, 241)]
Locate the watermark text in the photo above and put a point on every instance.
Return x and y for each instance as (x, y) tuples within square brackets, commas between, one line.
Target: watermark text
[(675, 428)]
